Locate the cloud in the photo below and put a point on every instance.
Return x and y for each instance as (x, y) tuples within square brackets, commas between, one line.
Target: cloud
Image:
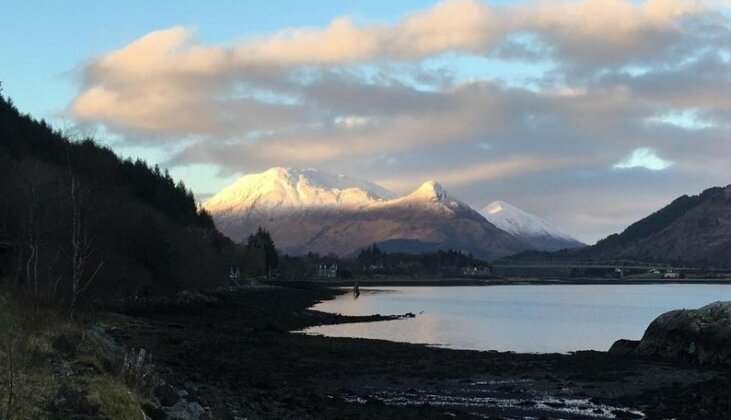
[(643, 158), (482, 172), (367, 99), (168, 83)]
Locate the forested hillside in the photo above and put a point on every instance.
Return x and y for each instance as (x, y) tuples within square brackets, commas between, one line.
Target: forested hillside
[(77, 222), (691, 230)]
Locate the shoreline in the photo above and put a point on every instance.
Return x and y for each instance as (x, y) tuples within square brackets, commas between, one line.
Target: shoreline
[(401, 282), (239, 357)]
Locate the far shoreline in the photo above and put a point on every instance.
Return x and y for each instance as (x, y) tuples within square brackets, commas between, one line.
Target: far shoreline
[(446, 282)]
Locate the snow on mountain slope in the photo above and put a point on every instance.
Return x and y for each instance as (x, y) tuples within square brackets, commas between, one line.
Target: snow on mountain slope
[(430, 193), (308, 210), (528, 227), (280, 190)]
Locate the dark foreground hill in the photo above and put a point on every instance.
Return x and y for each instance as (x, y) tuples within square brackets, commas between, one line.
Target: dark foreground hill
[(694, 230), (77, 222)]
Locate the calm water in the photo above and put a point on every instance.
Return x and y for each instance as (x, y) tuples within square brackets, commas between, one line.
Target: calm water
[(531, 319)]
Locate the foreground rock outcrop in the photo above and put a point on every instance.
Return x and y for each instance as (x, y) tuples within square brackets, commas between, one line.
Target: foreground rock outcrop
[(701, 336)]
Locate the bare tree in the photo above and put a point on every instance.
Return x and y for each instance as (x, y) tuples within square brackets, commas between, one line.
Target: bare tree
[(85, 263), (33, 229)]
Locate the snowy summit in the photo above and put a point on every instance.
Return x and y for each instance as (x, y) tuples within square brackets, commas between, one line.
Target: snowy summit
[(285, 189), (528, 227)]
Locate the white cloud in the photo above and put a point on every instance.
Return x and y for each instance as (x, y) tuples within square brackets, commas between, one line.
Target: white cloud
[(643, 157), (368, 99), (168, 83)]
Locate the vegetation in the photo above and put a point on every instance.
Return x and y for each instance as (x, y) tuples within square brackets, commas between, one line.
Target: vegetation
[(441, 263), (374, 262), (656, 221), (258, 256), (609, 249), (77, 223), (50, 368)]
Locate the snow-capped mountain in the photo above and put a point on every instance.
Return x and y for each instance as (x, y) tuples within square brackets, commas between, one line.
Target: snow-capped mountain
[(309, 210), (529, 228), (282, 190)]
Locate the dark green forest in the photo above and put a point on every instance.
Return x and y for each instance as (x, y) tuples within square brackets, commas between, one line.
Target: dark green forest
[(78, 223), (373, 262)]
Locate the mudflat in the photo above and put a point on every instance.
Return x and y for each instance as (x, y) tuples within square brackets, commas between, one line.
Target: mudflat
[(237, 354)]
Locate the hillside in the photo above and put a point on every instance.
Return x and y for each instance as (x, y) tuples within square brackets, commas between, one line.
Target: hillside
[(693, 230), (80, 223), (312, 211)]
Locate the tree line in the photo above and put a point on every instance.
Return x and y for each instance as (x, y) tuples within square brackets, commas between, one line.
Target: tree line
[(78, 223)]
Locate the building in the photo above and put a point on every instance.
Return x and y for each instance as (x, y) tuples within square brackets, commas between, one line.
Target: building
[(476, 271), (325, 271)]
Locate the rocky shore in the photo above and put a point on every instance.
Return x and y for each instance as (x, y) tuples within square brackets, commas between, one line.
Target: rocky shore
[(237, 358), (701, 336)]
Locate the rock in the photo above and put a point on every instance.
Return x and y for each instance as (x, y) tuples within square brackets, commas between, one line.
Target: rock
[(153, 412), (623, 347), (62, 368), (112, 353), (622, 414), (167, 395), (184, 410), (700, 336), (64, 346)]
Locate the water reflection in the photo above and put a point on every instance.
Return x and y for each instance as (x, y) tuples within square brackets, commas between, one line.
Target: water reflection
[(517, 318)]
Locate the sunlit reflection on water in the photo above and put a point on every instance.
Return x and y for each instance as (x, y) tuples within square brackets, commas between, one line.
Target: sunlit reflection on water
[(526, 318)]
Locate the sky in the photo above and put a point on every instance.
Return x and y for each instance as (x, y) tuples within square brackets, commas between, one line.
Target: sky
[(590, 113)]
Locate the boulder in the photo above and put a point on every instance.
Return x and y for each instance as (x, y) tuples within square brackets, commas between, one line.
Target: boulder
[(623, 347), (112, 354), (184, 410), (166, 394), (700, 336)]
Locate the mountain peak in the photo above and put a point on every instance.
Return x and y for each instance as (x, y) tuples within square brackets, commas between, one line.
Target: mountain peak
[(499, 206), (526, 226), (432, 190), (280, 189)]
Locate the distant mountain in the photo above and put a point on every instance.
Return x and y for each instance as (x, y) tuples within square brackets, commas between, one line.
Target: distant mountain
[(310, 210), (527, 227), (286, 190), (690, 230)]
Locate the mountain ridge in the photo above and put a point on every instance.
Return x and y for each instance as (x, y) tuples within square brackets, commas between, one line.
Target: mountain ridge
[(692, 230), (341, 221), (528, 227)]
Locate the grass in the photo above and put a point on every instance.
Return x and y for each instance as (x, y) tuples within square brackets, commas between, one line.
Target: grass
[(113, 399), (30, 377), (25, 381)]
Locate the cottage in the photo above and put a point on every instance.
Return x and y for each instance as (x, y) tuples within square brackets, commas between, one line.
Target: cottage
[(475, 271), (327, 272)]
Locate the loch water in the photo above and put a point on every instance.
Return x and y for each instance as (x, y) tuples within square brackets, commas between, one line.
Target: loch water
[(519, 318)]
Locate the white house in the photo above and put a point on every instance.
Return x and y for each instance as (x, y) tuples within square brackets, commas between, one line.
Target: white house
[(327, 272)]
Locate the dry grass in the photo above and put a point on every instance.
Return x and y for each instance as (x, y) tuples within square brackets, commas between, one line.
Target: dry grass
[(30, 376)]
